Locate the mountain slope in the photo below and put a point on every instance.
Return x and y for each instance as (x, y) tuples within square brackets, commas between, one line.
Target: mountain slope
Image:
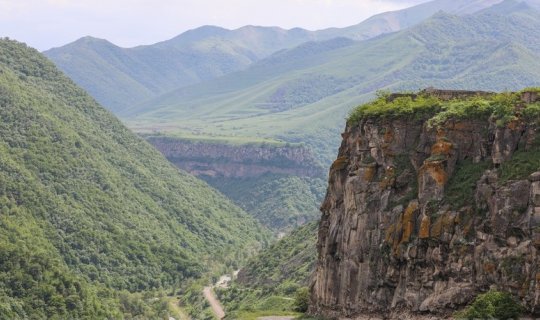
[(305, 98), (119, 77), (86, 204), (401, 19), (270, 281)]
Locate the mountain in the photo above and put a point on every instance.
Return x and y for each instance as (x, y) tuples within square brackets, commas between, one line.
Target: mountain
[(120, 77), (303, 94), (91, 212), (401, 19), (433, 202)]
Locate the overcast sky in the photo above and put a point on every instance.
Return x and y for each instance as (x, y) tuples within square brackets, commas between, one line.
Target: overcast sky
[(50, 23)]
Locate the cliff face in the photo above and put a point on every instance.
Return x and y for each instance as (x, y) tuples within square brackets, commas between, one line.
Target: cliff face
[(420, 219), (236, 161)]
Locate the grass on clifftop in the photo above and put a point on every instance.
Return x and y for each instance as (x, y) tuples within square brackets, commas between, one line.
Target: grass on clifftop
[(422, 105)]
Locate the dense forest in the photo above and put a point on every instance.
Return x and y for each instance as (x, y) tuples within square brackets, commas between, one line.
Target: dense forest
[(91, 214)]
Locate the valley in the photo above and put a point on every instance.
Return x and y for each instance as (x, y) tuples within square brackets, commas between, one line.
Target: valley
[(323, 171)]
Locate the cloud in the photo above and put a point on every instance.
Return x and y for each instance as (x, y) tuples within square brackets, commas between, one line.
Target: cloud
[(48, 23)]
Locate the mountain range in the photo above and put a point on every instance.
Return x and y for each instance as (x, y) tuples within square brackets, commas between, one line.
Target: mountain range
[(122, 77), (303, 94)]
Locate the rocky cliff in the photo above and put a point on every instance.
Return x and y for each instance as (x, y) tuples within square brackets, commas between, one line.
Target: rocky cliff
[(237, 161), (433, 199)]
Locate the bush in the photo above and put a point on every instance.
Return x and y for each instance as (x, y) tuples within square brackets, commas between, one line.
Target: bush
[(301, 301), (492, 305)]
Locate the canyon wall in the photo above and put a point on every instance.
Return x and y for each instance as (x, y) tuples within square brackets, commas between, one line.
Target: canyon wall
[(418, 220), (237, 161)]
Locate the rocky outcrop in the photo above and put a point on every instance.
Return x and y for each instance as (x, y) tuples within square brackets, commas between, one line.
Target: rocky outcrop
[(236, 161), (418, 220)]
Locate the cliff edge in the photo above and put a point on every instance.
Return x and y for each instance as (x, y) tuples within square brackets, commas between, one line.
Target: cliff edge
[(433, 199)]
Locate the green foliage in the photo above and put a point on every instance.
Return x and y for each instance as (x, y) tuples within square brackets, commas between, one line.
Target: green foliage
[(403, 106), (301, 300), (492, 305), (107, 212), (270, 281), (280, 202), (503, 107), (520, 165), (475, 108), (460, 189)]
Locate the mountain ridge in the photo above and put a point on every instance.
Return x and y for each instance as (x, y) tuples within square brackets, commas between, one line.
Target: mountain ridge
[(444, 51), (208, 52)]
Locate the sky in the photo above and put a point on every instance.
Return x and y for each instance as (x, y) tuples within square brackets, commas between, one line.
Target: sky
[(44, 24)]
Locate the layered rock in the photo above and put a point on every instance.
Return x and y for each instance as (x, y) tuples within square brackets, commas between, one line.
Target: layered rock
[(398, 238), (237, 161)]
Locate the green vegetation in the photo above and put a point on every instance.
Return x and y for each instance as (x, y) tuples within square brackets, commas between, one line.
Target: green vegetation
[(271, 281), (522, 163), (503, 107), (492, 305), (91, 213), (482, 52), (279, 202), (121, 77), (461, 187), (217, 139), (408, 105), (301, 299)]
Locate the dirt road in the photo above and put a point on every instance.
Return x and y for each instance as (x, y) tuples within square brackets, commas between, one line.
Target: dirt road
[(214, 303)]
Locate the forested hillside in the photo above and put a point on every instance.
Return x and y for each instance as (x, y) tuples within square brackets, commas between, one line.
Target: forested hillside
[(89, 209), (271, 281)]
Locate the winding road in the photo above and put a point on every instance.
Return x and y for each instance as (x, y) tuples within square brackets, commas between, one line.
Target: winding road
[(214, 302)]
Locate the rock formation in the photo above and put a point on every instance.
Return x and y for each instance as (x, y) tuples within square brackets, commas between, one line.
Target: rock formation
[(419, 219), (237, 161)]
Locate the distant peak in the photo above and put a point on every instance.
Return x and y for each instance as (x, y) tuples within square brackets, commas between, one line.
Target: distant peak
[(89, 40), (506, 7)]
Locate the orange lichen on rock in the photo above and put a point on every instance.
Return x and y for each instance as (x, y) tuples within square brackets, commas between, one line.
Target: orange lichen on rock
[(400, 232), (436, 170), (445, 223), (407, 221), (488, 267), (513, 124), (424, 227), (389, 178), (369, 173), (441, 147), (462, 126), (340, 164), (388, 136)]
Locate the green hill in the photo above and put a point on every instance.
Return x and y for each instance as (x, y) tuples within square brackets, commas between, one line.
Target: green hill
[(301, 97), (270, 281), (89, 209), (121, 77), (279, 202)]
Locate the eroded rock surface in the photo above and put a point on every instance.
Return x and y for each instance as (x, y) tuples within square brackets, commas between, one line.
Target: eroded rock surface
[(397, 240), (237, 161)]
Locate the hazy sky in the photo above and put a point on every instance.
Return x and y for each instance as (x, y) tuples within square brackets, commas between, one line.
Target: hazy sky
[(50, 23)]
